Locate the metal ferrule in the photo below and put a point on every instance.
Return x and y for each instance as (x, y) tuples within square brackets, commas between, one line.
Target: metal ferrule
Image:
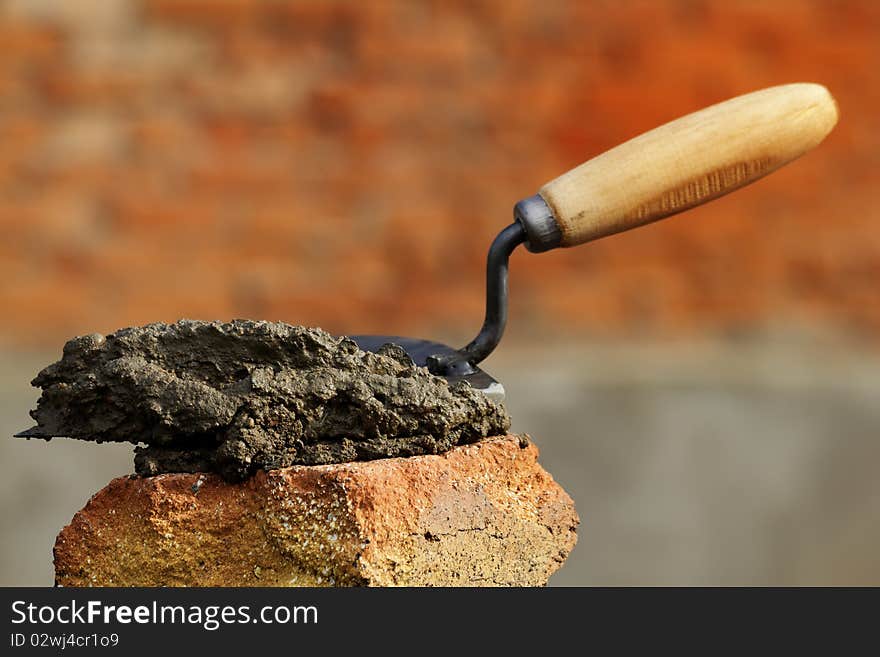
[(537, 219)]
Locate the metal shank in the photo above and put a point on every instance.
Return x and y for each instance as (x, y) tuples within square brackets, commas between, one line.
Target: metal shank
[(496, 308)]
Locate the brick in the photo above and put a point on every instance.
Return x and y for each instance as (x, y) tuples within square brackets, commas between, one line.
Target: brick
[(480, 515), (28, 43)]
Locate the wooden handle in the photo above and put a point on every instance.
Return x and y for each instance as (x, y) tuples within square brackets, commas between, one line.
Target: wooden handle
[(689, 161)]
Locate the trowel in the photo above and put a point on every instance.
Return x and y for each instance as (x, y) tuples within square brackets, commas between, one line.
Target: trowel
[(668, 170)]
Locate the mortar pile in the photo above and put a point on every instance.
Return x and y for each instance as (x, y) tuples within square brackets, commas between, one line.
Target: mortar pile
[(240, 396)]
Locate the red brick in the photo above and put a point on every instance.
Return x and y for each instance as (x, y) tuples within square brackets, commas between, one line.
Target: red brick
[(211, 13), (25, 43)]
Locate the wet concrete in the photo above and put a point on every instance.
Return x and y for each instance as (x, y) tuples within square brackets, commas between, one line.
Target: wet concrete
[(239, 396)]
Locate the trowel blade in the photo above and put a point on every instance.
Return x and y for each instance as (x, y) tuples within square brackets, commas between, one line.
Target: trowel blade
[(34, 432), (419, 350)]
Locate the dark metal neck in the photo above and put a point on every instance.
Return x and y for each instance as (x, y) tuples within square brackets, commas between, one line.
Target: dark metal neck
[(480, 347)]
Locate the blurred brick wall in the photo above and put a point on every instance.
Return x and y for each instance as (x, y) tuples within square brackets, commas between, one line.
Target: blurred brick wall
[(346, 164)]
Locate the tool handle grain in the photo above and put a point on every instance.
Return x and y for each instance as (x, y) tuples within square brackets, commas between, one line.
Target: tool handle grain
[(689, 161)]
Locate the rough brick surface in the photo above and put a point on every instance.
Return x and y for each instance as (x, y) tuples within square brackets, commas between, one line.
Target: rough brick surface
[(213, 159), (480, 515)]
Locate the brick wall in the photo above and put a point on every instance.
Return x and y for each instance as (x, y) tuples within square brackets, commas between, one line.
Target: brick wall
[(346, 164)]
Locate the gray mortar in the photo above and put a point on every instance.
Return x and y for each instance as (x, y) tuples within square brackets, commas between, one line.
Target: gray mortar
[(243, 395)]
